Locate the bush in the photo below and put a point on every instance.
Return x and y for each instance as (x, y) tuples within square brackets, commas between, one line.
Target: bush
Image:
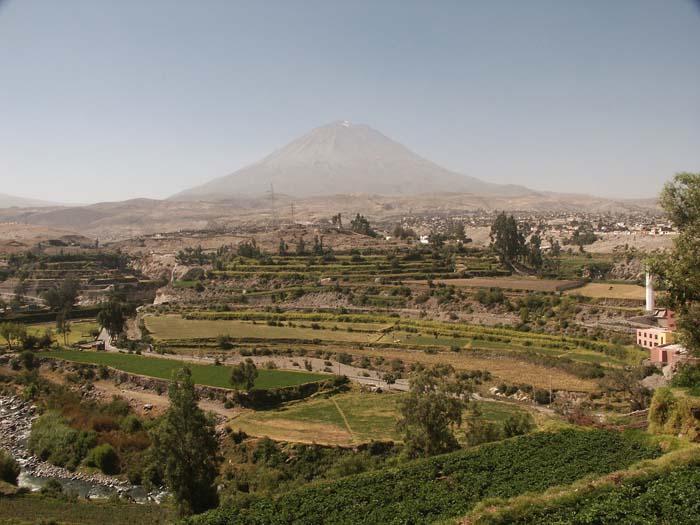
[(131, 424), (52, 489), (53, 440), (28, 359), (517, 425), (542, 397), (105, 458), (9, 468)]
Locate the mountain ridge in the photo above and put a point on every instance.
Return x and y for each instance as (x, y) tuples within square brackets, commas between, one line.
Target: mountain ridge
[(14, 201)]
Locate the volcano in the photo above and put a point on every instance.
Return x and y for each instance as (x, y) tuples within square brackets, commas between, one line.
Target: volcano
[(345, 158)]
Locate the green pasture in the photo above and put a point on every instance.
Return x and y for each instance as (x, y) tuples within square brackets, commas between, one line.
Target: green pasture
[(162, 368)]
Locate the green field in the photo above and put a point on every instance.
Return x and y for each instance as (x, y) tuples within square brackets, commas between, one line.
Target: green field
[(209, 375), (345, 419)]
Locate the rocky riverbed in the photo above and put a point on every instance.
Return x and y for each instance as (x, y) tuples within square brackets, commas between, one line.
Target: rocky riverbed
[(16, 417)]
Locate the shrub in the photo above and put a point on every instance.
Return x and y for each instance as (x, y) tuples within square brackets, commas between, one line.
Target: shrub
[(105, 458), (131, 424), (53, 440), (52, 489), (9, 468), (517, 425)]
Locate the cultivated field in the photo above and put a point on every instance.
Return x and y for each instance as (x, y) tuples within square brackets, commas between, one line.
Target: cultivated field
[(175, 327), (512, 283), (162, 368), (610, 291), (344, 420)]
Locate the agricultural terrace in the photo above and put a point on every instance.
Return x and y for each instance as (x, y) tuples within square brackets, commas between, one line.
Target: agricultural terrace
[(375, 330), (531, 284), (161, 368), (347, 419), (358, 268)]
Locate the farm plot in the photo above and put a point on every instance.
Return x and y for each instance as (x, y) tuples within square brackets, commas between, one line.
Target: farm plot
[(344, 420), (79, 331), (175, 327), (503, 368), (610, 291), (512, 283), (162, 368)]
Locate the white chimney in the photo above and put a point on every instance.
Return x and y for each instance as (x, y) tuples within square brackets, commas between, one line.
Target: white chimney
[(650, 292)]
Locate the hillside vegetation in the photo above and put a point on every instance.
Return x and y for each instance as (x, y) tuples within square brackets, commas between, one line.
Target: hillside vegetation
[(449, 485)]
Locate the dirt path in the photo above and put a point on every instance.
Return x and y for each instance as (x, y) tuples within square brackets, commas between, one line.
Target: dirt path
[(345, 419), (141, 399)]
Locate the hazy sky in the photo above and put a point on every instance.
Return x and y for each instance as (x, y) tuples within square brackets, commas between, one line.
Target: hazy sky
[(108, 100)]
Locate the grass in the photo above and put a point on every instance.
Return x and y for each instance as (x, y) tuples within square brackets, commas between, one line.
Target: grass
[(31, 509), (345, 419), (209, 375)]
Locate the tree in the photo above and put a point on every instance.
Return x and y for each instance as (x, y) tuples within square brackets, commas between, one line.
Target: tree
[(361, 225), (318, 245), (62, 296), (506, 239), (679, 269), (404, 233), (63, 325), (283, 249), (432, 411), (301, 247), (13, 333), (534, 252), (184, 443), (112, 317), (455, 230), (243, 374)]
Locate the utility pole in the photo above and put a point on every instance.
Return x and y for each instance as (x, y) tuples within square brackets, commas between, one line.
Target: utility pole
[(272, 207)]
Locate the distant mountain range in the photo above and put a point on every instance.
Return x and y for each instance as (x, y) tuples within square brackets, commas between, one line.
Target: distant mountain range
[(12, 201), (344, 158)]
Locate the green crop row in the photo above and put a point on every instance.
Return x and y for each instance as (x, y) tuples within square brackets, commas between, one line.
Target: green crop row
[(668, 498), (446, 486)]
